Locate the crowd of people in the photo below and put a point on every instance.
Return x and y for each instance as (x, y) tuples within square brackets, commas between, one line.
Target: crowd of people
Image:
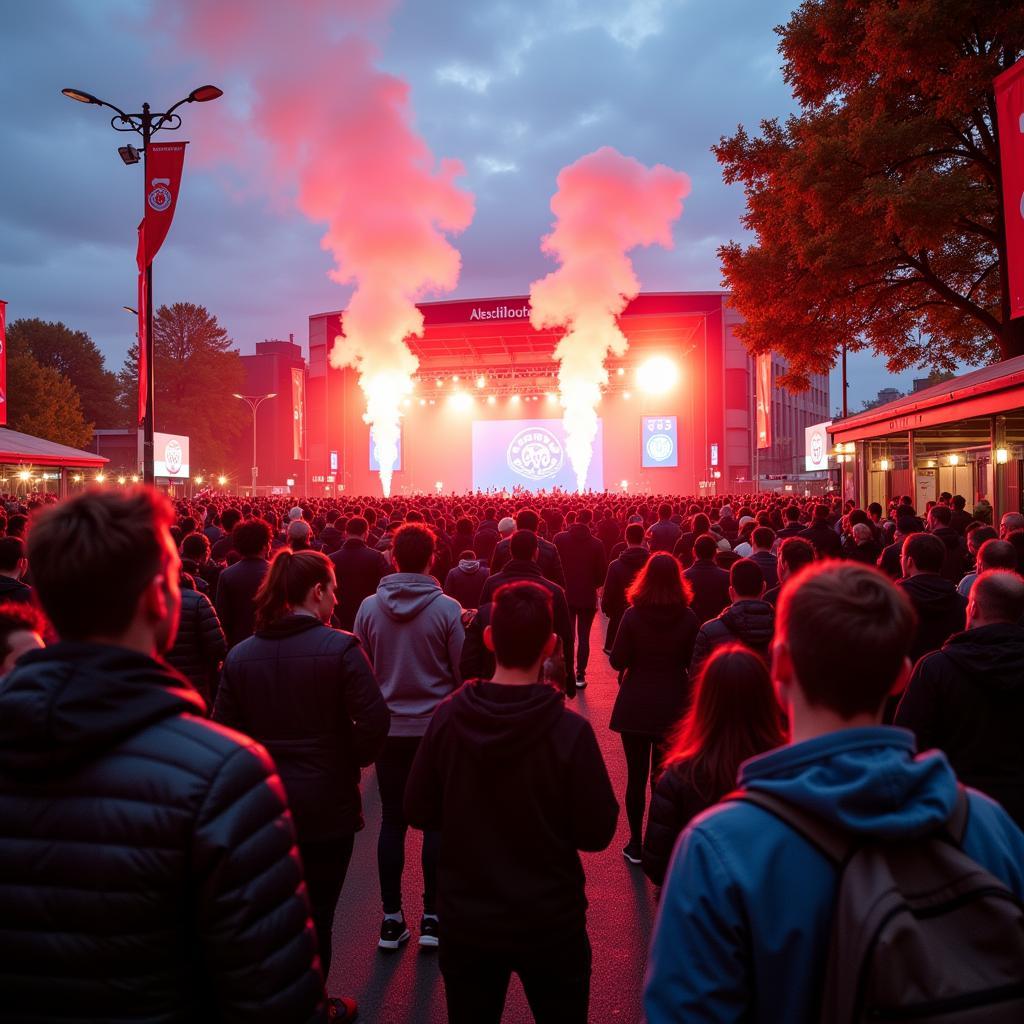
[(190, 692)]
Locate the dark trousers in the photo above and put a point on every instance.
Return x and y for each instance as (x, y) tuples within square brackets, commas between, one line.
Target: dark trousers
[(580, 621), (393, 767), (643, 760), (556, 980), (325, 865)]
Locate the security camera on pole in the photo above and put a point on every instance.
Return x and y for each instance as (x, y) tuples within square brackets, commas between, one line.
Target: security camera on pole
[(162, 165)]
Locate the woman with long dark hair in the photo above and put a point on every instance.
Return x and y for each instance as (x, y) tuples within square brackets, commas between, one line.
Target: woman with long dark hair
[(652, 651), (308, 694), (734, 716)]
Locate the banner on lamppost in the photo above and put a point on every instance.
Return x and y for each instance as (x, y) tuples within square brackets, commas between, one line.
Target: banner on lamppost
[(763, 399), (3, 362), (298, 414), (1009, 89), (164, 163)]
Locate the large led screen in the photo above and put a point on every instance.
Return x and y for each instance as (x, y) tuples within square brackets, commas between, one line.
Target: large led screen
[(170, 456), (375, 462), (530, 454), (659, 443), (816, 446)]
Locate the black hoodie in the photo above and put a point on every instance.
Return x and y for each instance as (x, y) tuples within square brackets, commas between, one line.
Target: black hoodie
[(968, 701), (516, 785), (941, 611), (134, 834)]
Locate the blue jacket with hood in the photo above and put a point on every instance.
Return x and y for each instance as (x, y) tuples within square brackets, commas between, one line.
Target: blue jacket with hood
[(744, 925)]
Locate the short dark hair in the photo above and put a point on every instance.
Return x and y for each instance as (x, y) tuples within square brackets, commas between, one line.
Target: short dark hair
[(942, 514), (521, 623), (848, 629), (103, 544), (792, 513), (413, 547), (999, 594), (796, 552), (18, 617), (664, 510), (746, 578), (230, 518), (705, 546), (527, 519), (585, 516), (196, 546), (993, 554), (16, 525), (251, 537), (356, 527), (12, 551), (763, 537), (522, 545), (925, 551), (635, 533)]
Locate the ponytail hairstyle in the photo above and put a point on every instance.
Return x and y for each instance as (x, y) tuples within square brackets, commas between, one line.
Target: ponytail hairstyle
[(292, 575)]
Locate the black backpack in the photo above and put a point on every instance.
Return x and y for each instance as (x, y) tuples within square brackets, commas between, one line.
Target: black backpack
[(921, 932)]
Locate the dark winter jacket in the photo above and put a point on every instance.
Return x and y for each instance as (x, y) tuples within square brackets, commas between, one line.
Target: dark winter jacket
[(867, 552), (584, 565), (485, 540), (663, 535), (308, 694), (516, 785), (710, 589), (889, 560), (967, 699), (608, 532), (750, 622), (359, 569), (617, 581), (769, 567), (199, 647), (147, 854), (331, 538), (517, 570), (824, 538), (956, 553), (236, 594), (548, 559), (14, 590), (677, 799), (652, 650), (465, 582), (941, 611)]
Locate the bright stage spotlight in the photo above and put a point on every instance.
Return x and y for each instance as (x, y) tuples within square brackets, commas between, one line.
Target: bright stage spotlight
[(491, 400), (481, 382), (461, 401), (657, 375), (514, 399)]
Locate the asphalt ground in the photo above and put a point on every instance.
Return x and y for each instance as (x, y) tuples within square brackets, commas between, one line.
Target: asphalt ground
[(405, 987)]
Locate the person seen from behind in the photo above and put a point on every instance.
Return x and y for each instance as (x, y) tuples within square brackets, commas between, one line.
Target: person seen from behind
[(150, 870), (652, 651), (22, 628), (514, 783), (237, 585), (747, 910)]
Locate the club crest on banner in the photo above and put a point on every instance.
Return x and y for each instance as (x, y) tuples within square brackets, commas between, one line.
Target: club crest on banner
[(172, 456), (160, 197), (535, 454), (660, 447)]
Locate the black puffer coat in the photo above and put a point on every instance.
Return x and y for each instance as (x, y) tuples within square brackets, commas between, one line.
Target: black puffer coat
[(147, 856), (652, 648), (200, 646), (308, 694), (750, 622)]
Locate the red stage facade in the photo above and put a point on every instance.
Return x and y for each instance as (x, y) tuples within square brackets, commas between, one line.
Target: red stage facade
[(486, 350)]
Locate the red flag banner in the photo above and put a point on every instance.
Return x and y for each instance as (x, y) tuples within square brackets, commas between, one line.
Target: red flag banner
[(763, 397), (3, 362), (140, 259), (298, 414), (1009, 87), (164, 162)]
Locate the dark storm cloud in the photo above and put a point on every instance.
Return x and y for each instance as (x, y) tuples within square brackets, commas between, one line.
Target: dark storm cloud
[(516, 91)]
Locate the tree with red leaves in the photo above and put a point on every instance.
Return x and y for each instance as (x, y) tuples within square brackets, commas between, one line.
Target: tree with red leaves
[(877, 208)]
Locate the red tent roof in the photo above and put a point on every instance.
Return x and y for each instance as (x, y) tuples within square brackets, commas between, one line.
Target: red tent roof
[(23, 449)]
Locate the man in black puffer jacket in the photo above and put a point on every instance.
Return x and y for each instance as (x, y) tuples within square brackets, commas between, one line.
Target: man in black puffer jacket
[(749, 620), (621, 573), (199, 647), (148, 856)]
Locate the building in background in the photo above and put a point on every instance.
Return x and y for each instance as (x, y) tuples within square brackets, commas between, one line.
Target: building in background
[(485, 373), (277, 368)]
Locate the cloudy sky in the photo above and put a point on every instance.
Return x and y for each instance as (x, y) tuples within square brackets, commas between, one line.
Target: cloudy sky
[(515, 90)]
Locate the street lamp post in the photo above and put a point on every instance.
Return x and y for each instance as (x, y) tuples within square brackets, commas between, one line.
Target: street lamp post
[(254, 402), (146, 124)]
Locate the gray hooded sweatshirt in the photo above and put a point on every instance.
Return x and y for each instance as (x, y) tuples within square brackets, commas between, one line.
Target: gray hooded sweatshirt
[(413, 634)]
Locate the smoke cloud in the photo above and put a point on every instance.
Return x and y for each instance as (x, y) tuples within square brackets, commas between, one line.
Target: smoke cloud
[(338, 135), (606, 205)]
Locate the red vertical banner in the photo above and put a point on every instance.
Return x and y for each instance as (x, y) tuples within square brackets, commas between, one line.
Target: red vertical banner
[(763, 399), (1009, 88), (3, 362), (143, 298), (298, 414), (164, 163)]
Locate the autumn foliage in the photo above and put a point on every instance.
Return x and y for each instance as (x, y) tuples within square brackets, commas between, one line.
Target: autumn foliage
[(876, 209)]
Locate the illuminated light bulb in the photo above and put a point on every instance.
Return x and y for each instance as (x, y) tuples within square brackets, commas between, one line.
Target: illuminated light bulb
[(135, 478), (514, 399), (199, 479), (122, 480), (551, 396), (481, 382), (491, 400), (626, 395), (100, 477), (24, 475), (1002, 456), (423, 401), (621, 371), (883, 465), (954, 459), (462, 401), (657, 375), (222, 480), (624, 484), (455, 378), (438, 382)]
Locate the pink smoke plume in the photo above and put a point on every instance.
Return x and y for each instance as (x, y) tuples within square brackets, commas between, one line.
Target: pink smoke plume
[(606, 205), (338, 132)]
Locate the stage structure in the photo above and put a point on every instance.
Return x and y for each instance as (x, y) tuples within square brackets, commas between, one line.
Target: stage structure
[(676, 416)]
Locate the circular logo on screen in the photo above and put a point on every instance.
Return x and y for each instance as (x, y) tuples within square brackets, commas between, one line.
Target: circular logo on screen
[(160, 198), (817, 448), (172, 457), (535, 453), (659, 447)]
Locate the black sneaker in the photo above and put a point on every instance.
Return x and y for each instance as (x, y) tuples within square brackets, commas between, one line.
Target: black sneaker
[(393, 933), (428, 931), (631, 851)]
